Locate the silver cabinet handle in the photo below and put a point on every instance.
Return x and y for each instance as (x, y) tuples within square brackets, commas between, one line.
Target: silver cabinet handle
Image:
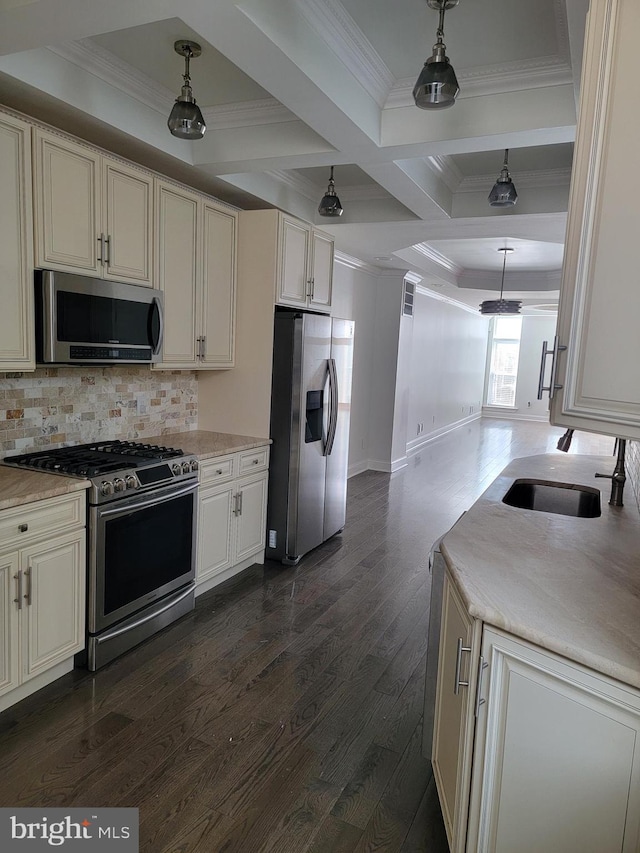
[(203, 353), (309, 286), (239, 496), (219, 471), (28, 575), (107, 243), (458, 684), (553, 386), (482, 665), (23, 528), (199, 348), (18, 600), (101, 255), (255, 462)]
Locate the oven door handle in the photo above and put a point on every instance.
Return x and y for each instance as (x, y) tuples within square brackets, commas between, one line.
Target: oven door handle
[(123, 629), (127, 510)]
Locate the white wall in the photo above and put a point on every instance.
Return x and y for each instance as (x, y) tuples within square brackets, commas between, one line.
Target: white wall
[(447, 367), (535, 330), (354, 298)]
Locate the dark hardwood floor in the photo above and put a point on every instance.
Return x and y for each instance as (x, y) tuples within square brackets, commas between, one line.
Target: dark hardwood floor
[(284, 714)]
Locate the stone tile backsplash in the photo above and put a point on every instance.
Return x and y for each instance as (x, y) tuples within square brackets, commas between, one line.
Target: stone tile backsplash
[(56, 406)]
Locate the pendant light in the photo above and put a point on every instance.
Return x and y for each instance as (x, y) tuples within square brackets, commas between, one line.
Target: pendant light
[(504, 192), (330, 203), (437, 86), (185, 120), (501, 306)]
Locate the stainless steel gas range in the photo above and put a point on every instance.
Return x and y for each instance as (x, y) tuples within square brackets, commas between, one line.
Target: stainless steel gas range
[(142, 511)]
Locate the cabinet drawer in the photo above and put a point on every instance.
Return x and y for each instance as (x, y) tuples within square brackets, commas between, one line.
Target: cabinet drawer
[(253, 460), (24, 524), (216, 470)]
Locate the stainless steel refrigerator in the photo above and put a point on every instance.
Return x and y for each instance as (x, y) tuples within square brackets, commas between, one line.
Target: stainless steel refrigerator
[(310, 411)]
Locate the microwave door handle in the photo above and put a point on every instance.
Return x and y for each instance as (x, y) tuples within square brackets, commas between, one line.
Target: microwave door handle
[(156, 309)]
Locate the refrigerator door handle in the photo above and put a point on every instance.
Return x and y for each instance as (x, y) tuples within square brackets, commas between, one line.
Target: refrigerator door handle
[(333, 406)]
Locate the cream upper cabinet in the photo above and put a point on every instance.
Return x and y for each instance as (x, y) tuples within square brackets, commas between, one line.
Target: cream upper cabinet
[(93, 215), (16, 256), (596, 383), (196, 264), (533, 752), (305, 274), (295, 258)]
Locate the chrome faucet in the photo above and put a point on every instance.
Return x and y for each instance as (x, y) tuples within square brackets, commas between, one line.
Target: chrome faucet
[(564, 442), (618, 478)]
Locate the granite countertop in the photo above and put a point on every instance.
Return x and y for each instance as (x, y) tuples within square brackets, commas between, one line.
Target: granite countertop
[(18, 486), (206, 444), (570, 585)]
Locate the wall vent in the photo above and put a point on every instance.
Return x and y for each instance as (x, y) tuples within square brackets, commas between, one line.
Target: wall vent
[(407, 298)]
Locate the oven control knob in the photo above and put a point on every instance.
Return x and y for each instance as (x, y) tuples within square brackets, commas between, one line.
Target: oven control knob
[(131, 482), (186, 467), (194, 465), (106, 488), (119, 484), (176, 468)]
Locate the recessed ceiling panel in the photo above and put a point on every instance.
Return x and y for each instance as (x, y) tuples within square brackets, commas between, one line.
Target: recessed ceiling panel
[(540, 158), (347, 175), (149, 49), (483, 254), (477, 32)]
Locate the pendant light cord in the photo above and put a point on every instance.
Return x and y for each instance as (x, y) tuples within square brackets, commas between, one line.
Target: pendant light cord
[(504, 264)]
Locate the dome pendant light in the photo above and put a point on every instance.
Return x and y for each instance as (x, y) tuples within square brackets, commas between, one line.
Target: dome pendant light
[(330, 203), (501, 306), (185, 120), (437, 86), (504, 192)]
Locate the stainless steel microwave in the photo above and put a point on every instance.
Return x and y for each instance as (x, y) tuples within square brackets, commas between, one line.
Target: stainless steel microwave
[(84, 320)]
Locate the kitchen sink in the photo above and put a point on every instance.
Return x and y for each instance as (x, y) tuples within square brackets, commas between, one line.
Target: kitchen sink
[(559, 498)]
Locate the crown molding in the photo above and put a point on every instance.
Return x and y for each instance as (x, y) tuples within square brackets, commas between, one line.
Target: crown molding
[(337, 29), (440, 297), (446, 170), (523, 180), (95, 60), (437, 258), (493, 80), (355, 263), (295, 182)]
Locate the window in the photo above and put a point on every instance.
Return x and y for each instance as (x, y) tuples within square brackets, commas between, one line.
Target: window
[(503, 365)]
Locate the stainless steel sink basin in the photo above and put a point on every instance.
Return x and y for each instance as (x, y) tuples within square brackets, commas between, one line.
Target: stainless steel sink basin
[(559, 498)]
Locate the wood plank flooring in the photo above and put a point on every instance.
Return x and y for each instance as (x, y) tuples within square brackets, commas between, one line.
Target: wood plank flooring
[(284, 714)]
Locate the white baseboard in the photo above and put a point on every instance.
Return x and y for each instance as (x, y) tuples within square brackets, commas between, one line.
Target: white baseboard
[(36, 683), (208, 583), (513, 415), (418, 443), (358, 468)]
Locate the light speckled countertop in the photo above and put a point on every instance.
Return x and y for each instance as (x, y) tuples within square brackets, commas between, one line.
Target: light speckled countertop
[(21, 486), (18, 486), (206, 444), (570, 585)]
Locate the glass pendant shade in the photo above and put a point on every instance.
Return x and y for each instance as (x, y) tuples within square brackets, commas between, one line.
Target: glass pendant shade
[(498, 307), (503, 193), (437, 86), (185, 120), (330, 203)]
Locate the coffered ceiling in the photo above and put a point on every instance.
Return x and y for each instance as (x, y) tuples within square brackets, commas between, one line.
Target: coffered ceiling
[(290, 87)]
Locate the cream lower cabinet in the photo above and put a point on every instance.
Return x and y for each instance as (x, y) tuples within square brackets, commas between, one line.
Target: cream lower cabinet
[(93, 214), (232, 515), (16, 281), (196, 263), (543, 755), (597, 346), (42, 593)]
